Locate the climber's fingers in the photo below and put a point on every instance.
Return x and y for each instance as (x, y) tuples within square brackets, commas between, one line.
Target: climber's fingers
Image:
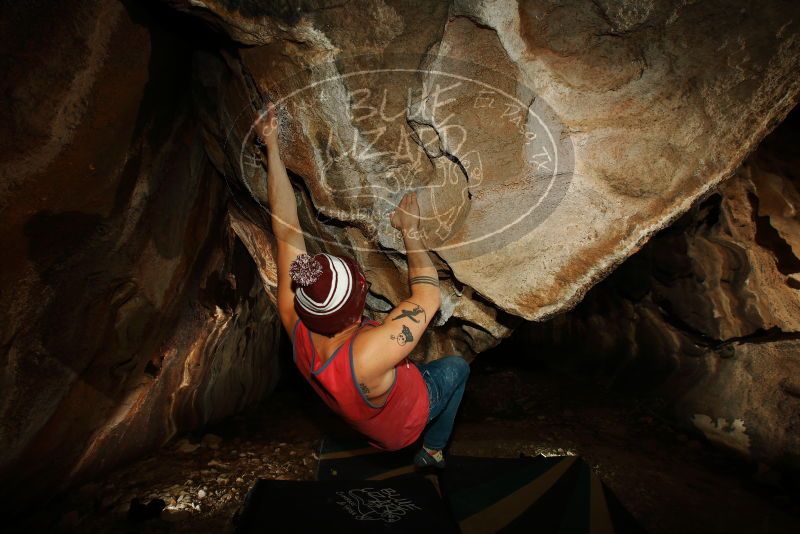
[(272, 115), (266, 125), (410, 203)]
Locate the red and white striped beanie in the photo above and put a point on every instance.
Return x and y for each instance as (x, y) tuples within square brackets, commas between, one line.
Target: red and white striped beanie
[(330, 292)]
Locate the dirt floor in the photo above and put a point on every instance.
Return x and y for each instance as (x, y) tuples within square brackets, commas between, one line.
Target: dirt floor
[(671, 482)]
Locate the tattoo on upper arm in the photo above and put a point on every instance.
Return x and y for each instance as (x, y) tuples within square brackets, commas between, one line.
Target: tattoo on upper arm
[(363, 387), (411, 314), (403, 337), (432, 280)]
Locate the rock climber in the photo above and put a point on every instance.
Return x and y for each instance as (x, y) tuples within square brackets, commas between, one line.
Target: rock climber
[(360, 367)]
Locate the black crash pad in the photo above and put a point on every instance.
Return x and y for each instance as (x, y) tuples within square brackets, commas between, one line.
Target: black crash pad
[(399, 505)]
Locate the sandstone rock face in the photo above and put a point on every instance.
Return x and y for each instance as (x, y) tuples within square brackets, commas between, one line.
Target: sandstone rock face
[(130, 310), (707, 314), (548, 140)]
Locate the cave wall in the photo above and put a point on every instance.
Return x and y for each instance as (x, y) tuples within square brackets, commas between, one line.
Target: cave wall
[(649, 105), (137, 247), (707, 315), (653, 105), (130, 309)]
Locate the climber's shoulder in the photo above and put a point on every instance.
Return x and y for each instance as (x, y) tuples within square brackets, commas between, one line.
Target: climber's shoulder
[(382, 345)]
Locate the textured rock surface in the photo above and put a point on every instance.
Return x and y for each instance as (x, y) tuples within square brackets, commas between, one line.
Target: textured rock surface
[(707, 314), (651, 104), (130, 310)]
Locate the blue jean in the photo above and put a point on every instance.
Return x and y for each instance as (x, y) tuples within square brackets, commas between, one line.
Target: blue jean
[(445, 379)]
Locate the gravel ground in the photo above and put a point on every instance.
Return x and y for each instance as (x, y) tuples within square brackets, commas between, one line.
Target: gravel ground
[(669, 480)]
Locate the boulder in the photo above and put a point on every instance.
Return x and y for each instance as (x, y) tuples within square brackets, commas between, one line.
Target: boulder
[(548, 141), (707, 314)]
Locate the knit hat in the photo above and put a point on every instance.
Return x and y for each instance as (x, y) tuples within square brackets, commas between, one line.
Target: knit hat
[(330, 293)]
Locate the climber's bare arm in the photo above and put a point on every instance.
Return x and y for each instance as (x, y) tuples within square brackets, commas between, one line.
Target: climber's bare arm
[(380, 348), (283, 209)]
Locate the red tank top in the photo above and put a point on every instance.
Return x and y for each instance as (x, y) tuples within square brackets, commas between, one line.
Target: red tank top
[(396, 423)]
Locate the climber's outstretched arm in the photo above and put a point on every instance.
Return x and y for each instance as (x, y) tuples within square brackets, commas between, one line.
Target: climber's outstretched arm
[(379, 349), (283, 210)]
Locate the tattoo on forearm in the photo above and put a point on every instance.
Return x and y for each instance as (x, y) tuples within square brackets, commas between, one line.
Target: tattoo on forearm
[(363, 387), (432, 280), (411, 314), (403, 337)]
